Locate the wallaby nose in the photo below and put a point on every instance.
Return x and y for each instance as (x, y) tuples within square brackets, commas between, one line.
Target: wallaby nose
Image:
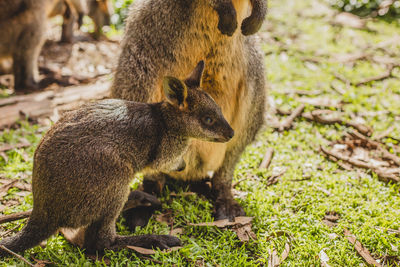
[(231, 134)]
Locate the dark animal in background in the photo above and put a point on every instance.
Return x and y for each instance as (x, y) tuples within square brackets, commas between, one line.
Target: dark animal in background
[(166, 37), (84, 164)]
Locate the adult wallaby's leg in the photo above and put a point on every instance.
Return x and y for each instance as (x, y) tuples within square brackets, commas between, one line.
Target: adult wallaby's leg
[(31, 235), (252, 24), (25, 56), (69, 18)]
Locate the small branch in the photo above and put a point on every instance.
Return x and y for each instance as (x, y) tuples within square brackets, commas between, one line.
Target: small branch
[(385, 134), (288, 122), (316, 116), (267, 158), (15, 216), (8, 147), (385, 177), (16, 255), (387, 74), (386, 154)]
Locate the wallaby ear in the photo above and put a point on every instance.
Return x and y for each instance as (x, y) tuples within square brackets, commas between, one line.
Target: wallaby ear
[(194, 78), (175, 91)]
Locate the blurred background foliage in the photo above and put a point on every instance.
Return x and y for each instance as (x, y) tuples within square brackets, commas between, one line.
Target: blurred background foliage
[(369, 8), (121, 10)]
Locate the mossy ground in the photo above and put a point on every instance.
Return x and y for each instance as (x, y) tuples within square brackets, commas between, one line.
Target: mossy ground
[(300, 45)]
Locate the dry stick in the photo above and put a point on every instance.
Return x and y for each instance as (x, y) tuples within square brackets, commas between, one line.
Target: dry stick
[(385, 177), (387, 74), (361, 250), (316, 116), (16, 255), (8, 231), (288, 122), (267, 158), (385, 134), (15, 216), (8, 147), (379, 146)]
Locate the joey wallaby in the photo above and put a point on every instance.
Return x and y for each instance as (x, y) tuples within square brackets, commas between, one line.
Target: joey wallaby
[(73, 12), (166, 37), (22, 31), (84, 164)]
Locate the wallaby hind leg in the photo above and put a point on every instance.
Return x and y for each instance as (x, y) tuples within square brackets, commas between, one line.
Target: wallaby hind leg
[(25, 57), (30, 236), (69, 18), (101, 235)]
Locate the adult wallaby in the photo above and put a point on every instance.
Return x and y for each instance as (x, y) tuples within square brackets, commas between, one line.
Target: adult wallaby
[(166, 37), (83, 166), (22, 31)]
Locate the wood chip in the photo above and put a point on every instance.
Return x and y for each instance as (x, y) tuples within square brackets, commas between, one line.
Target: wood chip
[(385, 75), (361, 250)]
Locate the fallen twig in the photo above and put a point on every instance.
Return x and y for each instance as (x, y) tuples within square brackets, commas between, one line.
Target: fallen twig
[(361, 250), (7, 147), (267, 159), (387, 74), (15, 216), (288, 122), (385, 177), (386, 154), (316, 116), (273, 179), (16, 255)]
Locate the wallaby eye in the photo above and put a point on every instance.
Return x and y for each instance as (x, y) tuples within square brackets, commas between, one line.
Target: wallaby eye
[(208, 120)]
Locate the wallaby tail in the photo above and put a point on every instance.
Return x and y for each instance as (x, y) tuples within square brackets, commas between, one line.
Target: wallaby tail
[(31, 235)]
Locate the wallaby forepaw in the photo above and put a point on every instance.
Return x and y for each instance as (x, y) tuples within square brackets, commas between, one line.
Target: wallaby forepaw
[(249, 26), (227, 209), (227, 23)]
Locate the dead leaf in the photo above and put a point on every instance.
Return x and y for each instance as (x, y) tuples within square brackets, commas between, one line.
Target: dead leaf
[(225, 223), (323, 258), (165, 218), (244, 233), (273, 260), (285, 252), (361, 250), (331, 218), (176, 231), (147, 251)]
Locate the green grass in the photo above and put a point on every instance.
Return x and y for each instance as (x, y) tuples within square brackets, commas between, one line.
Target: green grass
[(296, 30)]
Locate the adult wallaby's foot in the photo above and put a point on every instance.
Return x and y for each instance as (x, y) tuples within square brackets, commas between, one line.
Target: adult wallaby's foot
[(146, 241), (227, 208)]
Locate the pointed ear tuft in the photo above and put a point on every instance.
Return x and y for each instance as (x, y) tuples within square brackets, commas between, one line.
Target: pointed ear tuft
[(175, 92), (194, 78)]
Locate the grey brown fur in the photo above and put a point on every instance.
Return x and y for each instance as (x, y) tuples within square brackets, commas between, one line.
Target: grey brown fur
[(83, 166), (166, 37)]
